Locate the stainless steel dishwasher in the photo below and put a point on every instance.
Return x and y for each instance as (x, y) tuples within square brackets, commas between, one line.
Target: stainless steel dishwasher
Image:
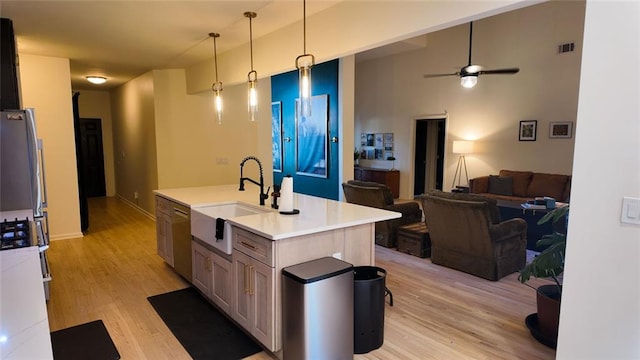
[(181, 235)]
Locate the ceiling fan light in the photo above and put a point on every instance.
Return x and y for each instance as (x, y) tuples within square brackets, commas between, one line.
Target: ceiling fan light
[(96, 79), (469, 81)]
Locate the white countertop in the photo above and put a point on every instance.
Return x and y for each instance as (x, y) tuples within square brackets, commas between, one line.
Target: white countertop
[(24, 324), (316, 214)]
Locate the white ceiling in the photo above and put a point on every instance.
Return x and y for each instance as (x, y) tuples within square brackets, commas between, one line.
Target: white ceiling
[(124, 39)]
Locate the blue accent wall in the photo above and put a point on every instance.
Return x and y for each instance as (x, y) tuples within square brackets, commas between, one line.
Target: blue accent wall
[(284, 88)]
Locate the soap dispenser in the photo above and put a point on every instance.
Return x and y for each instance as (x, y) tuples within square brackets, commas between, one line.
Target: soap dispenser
[(274, 196)]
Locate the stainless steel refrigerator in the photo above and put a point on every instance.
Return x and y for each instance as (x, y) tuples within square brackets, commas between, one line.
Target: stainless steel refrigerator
[(23, 205)]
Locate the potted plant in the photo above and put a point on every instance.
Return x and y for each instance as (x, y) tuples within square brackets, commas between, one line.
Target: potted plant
[(548, 264), (356, 156)]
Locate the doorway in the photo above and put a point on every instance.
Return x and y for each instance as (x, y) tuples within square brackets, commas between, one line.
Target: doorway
[(429, 155), (92, 157)]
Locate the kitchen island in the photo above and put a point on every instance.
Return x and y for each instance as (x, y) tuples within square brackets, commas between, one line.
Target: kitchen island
[(246, 284)]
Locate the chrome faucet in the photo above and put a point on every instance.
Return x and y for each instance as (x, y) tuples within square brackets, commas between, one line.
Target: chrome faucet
[(263, 195)]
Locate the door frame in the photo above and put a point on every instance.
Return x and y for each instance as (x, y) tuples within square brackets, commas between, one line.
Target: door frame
[(412, 136)]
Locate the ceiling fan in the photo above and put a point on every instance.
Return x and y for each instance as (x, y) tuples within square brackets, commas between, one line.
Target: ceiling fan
[(469, 74)]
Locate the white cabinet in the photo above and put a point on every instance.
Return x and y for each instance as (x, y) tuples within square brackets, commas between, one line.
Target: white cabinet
[(163, 230), (254, 286), (202, 270), (212, 276)]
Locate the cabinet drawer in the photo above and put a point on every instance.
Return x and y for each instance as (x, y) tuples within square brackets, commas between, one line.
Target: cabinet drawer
[(163, 205), (253, 245)]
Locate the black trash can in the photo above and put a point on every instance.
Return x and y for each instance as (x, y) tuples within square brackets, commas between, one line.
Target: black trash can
[(368, 308)]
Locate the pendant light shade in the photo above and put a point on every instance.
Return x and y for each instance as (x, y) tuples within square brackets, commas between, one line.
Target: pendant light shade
[(217, 85), (252, 76), (304, 63)]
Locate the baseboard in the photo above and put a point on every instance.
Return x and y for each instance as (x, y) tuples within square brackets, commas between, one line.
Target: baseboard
[(66, 236), (135, 206)]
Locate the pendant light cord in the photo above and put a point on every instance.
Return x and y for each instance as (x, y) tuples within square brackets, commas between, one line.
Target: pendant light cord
[(251, 41), (304, 26), (215, 55)]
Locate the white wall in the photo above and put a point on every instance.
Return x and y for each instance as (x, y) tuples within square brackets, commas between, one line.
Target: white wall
[(600, 315), (97, 105), (132, 109), (193, 150), (391, 92), (46, 87)]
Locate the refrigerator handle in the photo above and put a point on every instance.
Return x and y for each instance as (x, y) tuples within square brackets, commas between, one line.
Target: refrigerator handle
[(42, 177)]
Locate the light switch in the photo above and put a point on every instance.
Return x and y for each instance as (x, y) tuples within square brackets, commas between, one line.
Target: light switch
[(630, 210)]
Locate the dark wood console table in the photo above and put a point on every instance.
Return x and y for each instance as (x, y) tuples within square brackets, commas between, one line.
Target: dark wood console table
[(391, 178)]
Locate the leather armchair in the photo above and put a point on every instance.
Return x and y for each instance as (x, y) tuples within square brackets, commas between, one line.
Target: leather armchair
[(379, 196), (467, 234)]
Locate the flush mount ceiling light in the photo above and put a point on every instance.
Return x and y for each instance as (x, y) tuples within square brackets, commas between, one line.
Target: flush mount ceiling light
[(252, 77), (217, 85), (304, 63), (96, 79)]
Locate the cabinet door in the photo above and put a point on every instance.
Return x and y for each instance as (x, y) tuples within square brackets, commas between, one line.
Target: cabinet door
[(262, 302), (164, 237), (222, 286), (201, 268), (241, 305), (254, 306)]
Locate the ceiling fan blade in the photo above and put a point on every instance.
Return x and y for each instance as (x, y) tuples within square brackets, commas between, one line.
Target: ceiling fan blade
[(499, 71), (426, 76)]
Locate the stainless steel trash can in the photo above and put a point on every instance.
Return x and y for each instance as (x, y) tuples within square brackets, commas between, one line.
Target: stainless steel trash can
[(317, 307), (368, 304)]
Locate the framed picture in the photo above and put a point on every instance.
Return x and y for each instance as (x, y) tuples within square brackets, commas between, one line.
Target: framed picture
[(561, 130), (276, 134), (528, 130), (312, 139), (388, 141)]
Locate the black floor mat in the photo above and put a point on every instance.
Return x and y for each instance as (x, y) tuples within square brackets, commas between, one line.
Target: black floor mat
[(85, 341), (203, 331)]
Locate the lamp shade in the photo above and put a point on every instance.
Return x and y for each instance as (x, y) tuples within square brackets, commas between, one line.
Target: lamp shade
[(462, 147)]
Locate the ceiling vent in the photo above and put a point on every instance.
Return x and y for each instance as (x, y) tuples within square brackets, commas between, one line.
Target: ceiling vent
[(565, 48)]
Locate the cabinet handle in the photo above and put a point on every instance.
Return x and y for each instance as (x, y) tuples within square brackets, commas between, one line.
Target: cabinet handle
[(251, 280), (246, 280), (247, 245), (208, 264)]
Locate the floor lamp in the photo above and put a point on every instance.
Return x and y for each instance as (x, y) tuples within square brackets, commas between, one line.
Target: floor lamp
[(461, 147)]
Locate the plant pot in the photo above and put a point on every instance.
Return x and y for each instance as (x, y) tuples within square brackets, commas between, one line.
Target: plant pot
[(548, 300)]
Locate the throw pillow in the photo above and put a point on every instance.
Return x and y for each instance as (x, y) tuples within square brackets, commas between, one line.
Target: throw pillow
[(501, 185), (520, 181)]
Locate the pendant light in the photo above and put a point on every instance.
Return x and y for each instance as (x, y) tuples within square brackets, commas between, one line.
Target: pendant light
[(217, 85), (304, 63), (252, 77)]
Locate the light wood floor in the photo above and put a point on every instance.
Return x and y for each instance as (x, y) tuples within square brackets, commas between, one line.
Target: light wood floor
[(438, 313)]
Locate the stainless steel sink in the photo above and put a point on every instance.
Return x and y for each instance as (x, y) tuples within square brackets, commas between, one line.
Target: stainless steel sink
[(204, 218)]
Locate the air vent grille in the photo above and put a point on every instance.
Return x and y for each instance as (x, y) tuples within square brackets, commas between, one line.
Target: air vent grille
[(565, 48)]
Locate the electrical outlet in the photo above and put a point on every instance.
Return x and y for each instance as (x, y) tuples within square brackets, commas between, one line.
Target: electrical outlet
[(630, 210), (135, 195), (222, 161)]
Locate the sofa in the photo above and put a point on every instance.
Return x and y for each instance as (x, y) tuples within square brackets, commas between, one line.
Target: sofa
[(379, 196), (467, 235), (522, 186)]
